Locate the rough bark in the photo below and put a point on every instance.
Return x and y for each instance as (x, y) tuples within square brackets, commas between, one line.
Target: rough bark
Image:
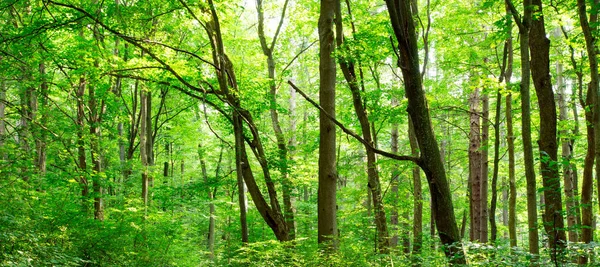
[(539, 46), (145, 113), (475, 170), (431, 162), (40, 140), (327, 226)]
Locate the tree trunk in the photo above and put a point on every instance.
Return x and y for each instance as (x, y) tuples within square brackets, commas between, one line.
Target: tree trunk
[(395, 175), (348, 69), (485, 133), (569, 175), (145, 112), (327, 210), (475, 167), (3, 154), (510, 140), (283, 163), (95, 118), (40, 140), (524, 26), (417, 195), (81, 159), (539, 46), (592, 116), (431, 162)]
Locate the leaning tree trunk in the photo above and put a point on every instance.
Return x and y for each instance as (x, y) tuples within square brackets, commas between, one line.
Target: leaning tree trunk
[(403, 25), (283, 161), (348, 69)]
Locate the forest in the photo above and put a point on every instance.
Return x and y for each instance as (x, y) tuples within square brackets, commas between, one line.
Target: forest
[(299, 133)]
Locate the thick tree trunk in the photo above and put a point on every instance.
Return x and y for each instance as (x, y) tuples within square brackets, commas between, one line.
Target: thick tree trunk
[(539, 46), (327, 210), (431, 161)]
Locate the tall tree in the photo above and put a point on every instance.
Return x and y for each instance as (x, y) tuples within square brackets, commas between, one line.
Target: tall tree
[(592, 115), (539, 47), (403, 25), (348, 67), (524, 24), (327, 208), (283, 161)]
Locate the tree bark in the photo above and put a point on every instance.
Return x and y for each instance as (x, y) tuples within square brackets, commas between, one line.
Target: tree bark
[(485, 134), (592, 116), (431, 162), (417, 194), (81, 159), (539, 46), (524, 26), (327, 208), (475, 167)]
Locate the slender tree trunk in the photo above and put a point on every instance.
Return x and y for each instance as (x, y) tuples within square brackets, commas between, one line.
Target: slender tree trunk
[(283, 163), (145, 113), (592, 116), (240, 178), (431, 162), (485, 133), (417, 196), (566, 149), (3, 154), (40, 140), (395, 175), (211, 220), (524, 26), (81, 159), (95, 118), (510, 141), (475, 170), (327, 210), (539, 46), (348, 69)]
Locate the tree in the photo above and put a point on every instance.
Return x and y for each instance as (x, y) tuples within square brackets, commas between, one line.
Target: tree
[(539, 46), (404, 29), (327, 225), (524, 24)]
